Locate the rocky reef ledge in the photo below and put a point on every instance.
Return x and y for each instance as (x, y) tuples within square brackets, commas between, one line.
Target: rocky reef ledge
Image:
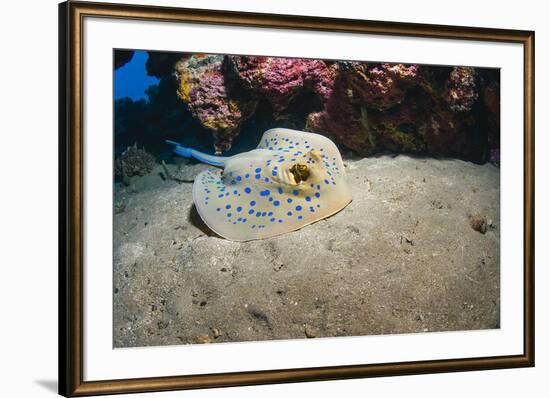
[(407, 255), (220, 102)]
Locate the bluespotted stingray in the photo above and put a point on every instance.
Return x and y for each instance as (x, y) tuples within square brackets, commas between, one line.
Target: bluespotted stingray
[(291, 180)]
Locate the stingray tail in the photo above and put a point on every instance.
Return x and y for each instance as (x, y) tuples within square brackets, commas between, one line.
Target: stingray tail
[(200, 156)]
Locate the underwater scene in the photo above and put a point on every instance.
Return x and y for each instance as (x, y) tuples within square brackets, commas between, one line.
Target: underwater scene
[(263, 198)]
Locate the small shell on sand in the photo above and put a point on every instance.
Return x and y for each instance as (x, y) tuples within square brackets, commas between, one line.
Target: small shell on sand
[(478, 223)]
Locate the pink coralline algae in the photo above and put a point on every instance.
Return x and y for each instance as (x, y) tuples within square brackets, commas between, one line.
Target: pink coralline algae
[(360, 88), (365, 107), (342, 120), (211, 97), (279, 80), (410, 108), (379, 86), (445, 132), (461, 92)]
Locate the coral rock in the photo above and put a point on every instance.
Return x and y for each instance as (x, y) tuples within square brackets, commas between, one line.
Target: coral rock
[(491, 99), (379, 86), (358, 88), (212, 97), (279, 80), (343, 120), (133, 162), (122, 57), (161, 64), (408, 108), (446, 133), (461, 92)]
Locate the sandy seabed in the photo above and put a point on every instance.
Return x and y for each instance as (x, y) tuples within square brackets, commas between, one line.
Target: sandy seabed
[(401, 258)]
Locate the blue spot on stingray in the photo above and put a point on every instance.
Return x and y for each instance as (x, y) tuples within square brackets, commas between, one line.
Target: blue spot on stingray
[(276, 203), (228, 207), (280, 190), (244, 219), (271, 219), (289, 213), (264, 214), (229, 214), (273, 173), (270, 213), (326, 182), (218, 209), (266, 179), (258, 170), (270, 199), (308, 199), (239, 178), (257, 176), (220, 195), (317, 195), (264, 192), (281, 160), (253, 203), (235, 192), (295, 192), (289, 200), (239, 219), (258, 214), (318, 186), (298, 208), (300, 217), (250, 211), (280, 220), (247, 190), (233, 182), (247, 176), (239, 208)]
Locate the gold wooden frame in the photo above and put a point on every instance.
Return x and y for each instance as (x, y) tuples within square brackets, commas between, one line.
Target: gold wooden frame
[(71, 15)]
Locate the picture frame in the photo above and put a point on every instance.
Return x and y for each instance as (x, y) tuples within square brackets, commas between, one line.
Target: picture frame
[(72, 205)]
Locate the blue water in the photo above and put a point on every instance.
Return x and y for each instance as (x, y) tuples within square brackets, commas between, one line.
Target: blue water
[(132, 80)]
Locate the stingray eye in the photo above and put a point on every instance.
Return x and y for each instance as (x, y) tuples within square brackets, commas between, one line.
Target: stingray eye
[(300, 172)]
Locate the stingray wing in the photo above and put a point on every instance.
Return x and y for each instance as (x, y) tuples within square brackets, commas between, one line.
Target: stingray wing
[(255, 197)]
